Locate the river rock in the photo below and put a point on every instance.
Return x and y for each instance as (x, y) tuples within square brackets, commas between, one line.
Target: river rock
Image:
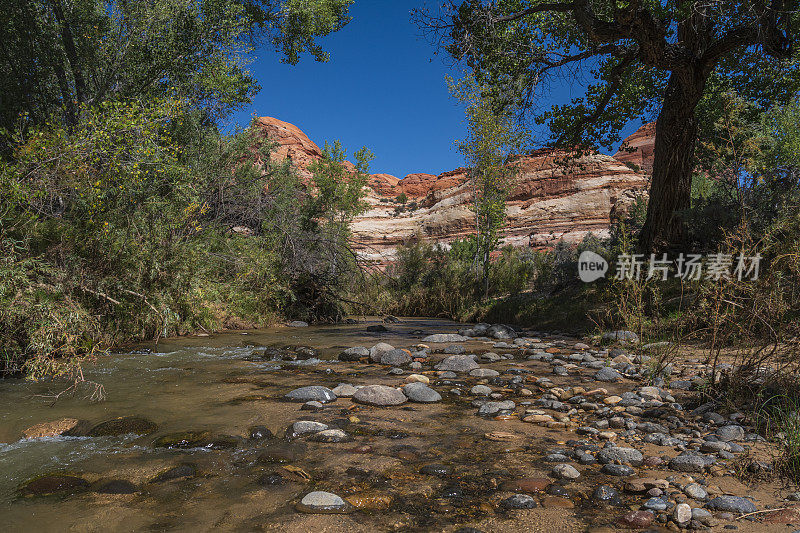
[(501, 332), (63, 426), (314, 393), (123, 426), (607, 374), (682, 513), (297, 324), (732, 504), (322, 502), (378, 350), (695, 491), (114, 486), (443, 338), (565, 471), (331, 435), (396, 357), (616, 454), (636, 519), (53, 484), (305, 427), (379, 395), (730, 433), (480, 390), (458, 363), (344, 390), (691, 463), (176, 472), (491, 408), (621, 336), (420, 392), (518, 501), (354, 354), (484, 373)]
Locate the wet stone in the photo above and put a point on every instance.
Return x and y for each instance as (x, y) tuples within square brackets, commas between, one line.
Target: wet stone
[(115, 486), (484, 373), (323, 502), (437, 470), (305, 427), (260, 433), (270, 480), (344, 390), (636, 519), (455, 349), (618, 470), (444, 338), (379, 395), (732, 504), (614, 454), (53, 484), (458, 363), (491, 408), (312, 393), (396, 357), (354, 354), (480, 390), (607, 374), (518, 501), (64, 426), (331, 435), (691, 463), (123, 426), (565, 471), (176, 472), (421, 393), (282, 452), (606, 494)]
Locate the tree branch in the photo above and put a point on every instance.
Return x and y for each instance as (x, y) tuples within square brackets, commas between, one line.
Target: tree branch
[(541, 8)]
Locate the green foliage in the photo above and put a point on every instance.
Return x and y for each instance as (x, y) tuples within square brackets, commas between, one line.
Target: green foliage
[(493, 139), (115, 232), (64, 56)]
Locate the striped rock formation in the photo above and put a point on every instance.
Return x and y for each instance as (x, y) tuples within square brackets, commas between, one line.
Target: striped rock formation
[(555, 196)]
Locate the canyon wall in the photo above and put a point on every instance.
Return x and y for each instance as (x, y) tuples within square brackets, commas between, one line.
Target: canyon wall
[(555, 195)]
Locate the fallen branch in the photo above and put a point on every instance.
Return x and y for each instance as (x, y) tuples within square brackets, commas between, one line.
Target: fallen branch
[(763, 511)]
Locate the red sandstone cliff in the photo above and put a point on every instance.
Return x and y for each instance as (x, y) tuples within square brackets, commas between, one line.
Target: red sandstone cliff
[(555, 196), (639, 148)]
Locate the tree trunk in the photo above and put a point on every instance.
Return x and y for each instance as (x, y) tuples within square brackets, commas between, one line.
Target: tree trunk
[(671, 185)]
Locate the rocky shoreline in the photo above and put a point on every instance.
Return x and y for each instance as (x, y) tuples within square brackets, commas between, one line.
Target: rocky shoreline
[(490, 428)]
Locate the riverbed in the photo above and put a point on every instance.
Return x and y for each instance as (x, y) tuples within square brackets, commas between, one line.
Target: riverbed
[(214, 450)]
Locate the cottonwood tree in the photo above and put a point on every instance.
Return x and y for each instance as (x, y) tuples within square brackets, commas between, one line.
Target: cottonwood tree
[(492, 140), (641, 58), (60, 56)]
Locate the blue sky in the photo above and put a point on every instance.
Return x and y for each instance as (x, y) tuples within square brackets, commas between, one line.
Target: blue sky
[(383, 88)]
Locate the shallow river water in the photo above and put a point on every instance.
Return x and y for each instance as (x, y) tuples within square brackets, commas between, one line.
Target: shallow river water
[(413, 467)]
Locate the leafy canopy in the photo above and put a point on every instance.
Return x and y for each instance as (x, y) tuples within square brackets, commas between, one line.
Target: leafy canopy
[(623, 51)]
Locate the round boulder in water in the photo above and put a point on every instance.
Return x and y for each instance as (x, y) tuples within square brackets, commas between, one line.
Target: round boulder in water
[(123, 425), (315, 393), (323, 502), (458, 363), (379, 395), (176, 472), (115, 486), (420, 392), (396, 357), (53, 484)]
